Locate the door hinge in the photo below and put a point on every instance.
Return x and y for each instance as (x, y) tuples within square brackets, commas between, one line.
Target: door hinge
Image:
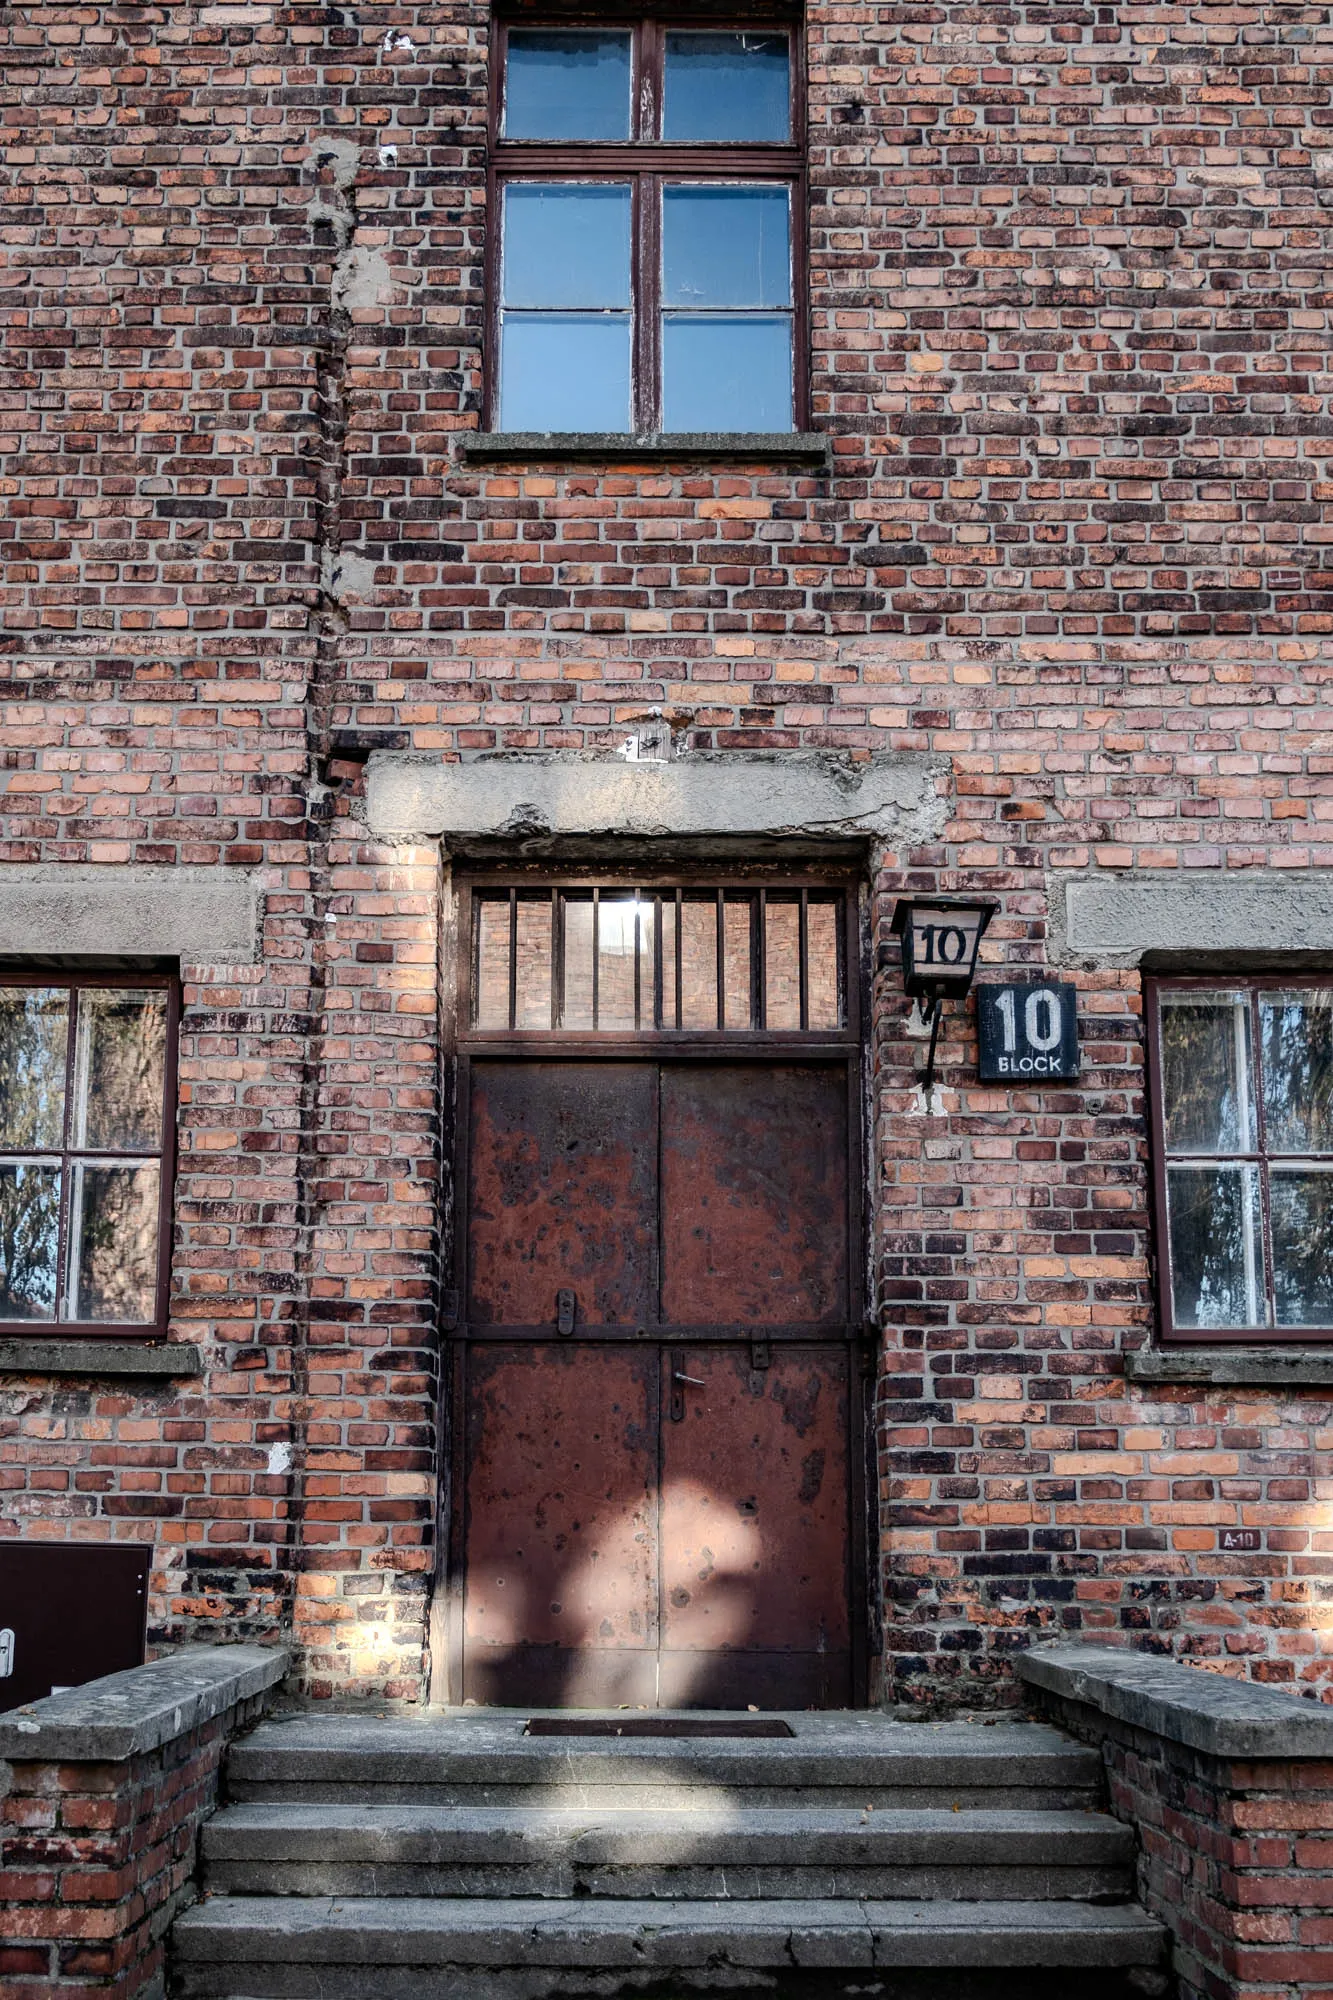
[(761, 1355), (450, 1310), (566, 1306)]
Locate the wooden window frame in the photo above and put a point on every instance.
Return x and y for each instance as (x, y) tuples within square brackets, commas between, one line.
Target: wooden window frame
[(1270, 1334), (58, 1328), (648, 164)]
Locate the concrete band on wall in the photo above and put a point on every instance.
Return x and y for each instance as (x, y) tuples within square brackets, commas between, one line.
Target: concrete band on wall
[(789, 795), (1123, 920), (202, 916)]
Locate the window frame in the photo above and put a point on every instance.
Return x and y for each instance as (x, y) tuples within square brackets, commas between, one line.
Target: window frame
[(57, 1327), (1252, 985), (647, 165)]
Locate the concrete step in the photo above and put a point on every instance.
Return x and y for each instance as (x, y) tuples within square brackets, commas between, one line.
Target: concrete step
[(408, 1948), (711, 1852), (483, 1757)]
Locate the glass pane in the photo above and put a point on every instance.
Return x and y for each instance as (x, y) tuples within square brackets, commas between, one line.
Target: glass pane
[(1296, 1039), (120, 1055), (782, 964), (698, 963), (738, 1003), (34, 1025), (565, 373), (725, 246), (113, 1241), (1216, 1259), (1301, 1208), (1206, 1068), (565, 83), (566, 246), (29, 1232), (727, 86), (576, 997), (667, 917), (825, 998), (726, 374), (490, 994), (617, 944), (533, 1006)]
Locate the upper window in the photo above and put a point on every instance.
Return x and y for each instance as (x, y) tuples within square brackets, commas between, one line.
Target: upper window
[(1243, 1126), (85, 1070), (647, 186)]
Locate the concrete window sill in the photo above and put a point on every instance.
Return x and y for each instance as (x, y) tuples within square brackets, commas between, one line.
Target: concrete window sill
[(786, 447), (98, 1357), (1245, 1367)]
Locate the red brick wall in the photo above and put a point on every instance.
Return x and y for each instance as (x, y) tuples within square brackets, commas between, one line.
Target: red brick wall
[(1067, 335), (95, 1859)]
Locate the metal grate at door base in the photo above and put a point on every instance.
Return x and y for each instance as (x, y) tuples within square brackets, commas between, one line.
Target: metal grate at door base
[(657, 1725)]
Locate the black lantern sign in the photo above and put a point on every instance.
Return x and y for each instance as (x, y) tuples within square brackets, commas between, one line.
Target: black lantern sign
[(940, 938)]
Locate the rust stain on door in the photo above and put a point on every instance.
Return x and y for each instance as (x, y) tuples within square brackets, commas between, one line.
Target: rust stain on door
[(754, 1194), (563, 1192)]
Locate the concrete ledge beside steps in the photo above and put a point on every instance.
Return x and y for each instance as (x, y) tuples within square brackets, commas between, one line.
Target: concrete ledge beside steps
[(121, 1716), (1207, 1712)]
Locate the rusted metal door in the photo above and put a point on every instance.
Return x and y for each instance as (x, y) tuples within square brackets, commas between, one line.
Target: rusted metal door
[(657, 1464)]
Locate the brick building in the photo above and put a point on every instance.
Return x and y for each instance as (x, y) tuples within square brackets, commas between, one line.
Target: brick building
[(926, 496)]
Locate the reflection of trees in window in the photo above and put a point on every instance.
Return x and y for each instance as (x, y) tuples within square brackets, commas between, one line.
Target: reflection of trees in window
[(29, 1234), (81, 1194), (1297, 1045), (1205, 1074)]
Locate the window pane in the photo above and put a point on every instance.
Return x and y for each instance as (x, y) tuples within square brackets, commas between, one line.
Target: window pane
[(113, 1224), (29, 1231), (782, 964), (565, 373), (490, 1003), (825, 998), (1296, 1036), (566, 246), (34, 1024), (726, 246), (1301, 1207), (698, 963), (566, 84), (1216, 1258), (617, 948), (120, 1055), (726, 374), (576, 998), (1206, 1071), (533, 1007), (738, 1002), (727, 86)]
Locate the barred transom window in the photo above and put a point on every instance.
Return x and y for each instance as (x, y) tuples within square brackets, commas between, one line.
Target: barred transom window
[(85, 1069), (617, 959), (1243, 1089)]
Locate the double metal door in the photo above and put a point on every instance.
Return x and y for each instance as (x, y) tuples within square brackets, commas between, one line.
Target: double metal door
[(657, 1383)]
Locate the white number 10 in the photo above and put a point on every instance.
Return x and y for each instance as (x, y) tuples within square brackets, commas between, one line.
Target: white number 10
[(1041, 1019)]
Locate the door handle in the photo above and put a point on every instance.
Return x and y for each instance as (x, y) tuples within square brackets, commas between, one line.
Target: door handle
[(697, 1380), (676, 1400)]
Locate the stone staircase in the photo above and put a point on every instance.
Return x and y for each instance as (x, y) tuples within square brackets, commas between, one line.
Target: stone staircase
[(460, 1858)]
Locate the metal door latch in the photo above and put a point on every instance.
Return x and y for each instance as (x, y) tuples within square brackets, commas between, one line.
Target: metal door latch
[(566, 1306), (6, 1652), (760, 1354)]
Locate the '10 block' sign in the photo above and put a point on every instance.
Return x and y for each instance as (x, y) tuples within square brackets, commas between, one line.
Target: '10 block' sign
[(1028, 1032)]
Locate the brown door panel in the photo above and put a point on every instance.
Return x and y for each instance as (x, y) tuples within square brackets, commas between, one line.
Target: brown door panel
[(756, 1528), (754, 1194), (561, 1557), (562, 1177)]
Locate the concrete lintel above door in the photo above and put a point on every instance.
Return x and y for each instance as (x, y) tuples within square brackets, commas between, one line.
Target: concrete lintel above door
[(754, 796)]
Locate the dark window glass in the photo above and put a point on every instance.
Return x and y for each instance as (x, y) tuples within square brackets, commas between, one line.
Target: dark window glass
[(83, 1079), (567, 83), (727, 87), (1244, 1128), (630, 296)]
